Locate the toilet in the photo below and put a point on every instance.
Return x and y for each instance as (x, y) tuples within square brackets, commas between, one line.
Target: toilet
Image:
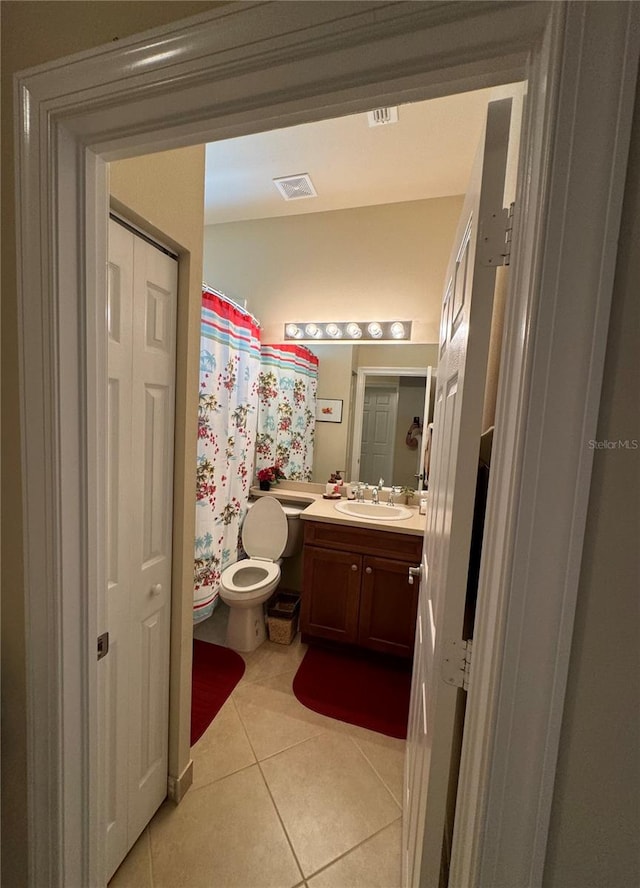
[(270, 532)]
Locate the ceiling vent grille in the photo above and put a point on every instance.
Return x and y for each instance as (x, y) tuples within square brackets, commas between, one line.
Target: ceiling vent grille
[(382, 116), (295, 187)]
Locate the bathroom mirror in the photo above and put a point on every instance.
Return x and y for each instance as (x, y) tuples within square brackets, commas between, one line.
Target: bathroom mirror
[(339, 445), (392, 409)]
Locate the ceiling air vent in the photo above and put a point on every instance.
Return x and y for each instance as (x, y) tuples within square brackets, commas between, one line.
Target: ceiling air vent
[(295, 187), (382, 116)]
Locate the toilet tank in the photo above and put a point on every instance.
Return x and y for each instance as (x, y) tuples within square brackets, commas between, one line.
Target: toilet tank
[(294, 524)]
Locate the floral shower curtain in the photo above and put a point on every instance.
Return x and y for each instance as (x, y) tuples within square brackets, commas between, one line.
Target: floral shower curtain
[(287, 388), (227, 419)]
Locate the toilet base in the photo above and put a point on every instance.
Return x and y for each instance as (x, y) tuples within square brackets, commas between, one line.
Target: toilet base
[(246, 628)]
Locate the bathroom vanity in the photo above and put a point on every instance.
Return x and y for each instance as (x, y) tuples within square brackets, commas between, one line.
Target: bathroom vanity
[(356, 582), (355, 577)]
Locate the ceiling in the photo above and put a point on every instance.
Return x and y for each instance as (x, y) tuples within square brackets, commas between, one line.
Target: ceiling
[(428, 153)]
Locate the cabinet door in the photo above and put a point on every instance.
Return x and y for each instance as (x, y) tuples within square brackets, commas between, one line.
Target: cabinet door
[(331, 594), (388, 605)]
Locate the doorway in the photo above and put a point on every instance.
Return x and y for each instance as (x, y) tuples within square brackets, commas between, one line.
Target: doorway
[(54, 737)]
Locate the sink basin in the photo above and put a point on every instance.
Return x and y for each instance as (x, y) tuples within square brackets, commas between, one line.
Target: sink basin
[(379, 512)]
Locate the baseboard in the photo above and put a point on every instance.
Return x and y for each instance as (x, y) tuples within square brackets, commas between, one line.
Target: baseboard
[(177, 787)]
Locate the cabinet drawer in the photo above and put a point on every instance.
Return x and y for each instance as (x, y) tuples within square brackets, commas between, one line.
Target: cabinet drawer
[(401, 546)]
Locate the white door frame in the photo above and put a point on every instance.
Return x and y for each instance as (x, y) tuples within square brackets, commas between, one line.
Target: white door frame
[(249, 67), (361, 383)]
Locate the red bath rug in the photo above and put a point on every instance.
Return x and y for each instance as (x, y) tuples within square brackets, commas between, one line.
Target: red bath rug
[(356, 687), (216, 672)]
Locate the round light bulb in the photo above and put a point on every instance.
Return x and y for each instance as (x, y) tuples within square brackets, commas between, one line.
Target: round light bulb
[(333, 331), (293, 330), (375, 330), (397, 330), (354, 331), (313, 331)]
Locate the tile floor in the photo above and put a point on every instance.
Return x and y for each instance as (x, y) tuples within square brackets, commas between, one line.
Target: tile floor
[(282, 797)]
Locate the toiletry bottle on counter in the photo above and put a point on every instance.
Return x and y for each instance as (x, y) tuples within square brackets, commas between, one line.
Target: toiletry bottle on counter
[(332, 487), (423, 505)]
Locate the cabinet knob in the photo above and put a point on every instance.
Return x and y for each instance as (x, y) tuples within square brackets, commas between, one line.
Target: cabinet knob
[(368, 570), (354, 567), (157, 589)]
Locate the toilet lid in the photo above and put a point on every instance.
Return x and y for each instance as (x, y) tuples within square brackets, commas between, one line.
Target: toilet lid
[(265, 529)]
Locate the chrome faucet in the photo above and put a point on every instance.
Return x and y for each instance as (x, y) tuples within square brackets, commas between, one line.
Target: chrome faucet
[(359, 493), (374, 495)]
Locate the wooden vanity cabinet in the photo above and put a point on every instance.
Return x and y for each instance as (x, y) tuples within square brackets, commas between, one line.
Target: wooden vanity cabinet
[(356, 587), (331, 595)]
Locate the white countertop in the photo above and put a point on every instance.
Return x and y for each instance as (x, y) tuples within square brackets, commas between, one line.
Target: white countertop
[(324, 510)]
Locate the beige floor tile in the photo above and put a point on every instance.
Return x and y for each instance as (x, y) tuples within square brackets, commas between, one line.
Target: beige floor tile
[(386, 755), (135, 869), (273, 718), (222, 749), (377, 863), (273, 659), (226, 835), (329, 798)]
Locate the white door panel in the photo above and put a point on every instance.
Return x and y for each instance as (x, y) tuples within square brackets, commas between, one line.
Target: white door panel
[(464, 342), (378, 433), (114, 668), (135, 673), (153, 371)]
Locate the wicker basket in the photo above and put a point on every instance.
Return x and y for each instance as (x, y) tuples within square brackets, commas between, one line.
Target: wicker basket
[(282, 617)]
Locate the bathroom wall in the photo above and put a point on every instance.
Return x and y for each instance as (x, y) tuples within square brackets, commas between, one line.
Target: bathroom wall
[(385, 261)]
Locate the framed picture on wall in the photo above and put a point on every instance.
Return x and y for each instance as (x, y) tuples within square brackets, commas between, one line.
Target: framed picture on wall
[(328, 410)]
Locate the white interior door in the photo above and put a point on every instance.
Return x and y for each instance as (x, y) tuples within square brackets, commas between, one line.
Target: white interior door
[(134, 675), (379, 415), (464, 342)]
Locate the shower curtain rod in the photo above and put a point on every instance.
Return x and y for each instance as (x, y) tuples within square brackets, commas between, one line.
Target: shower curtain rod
[(206, 288)]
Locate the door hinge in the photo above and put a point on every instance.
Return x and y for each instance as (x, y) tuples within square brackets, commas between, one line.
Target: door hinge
[(494, 238), (103, 645), (456, 663)]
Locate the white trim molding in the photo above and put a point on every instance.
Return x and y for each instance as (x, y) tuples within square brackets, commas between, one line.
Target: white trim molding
[(248, 67)]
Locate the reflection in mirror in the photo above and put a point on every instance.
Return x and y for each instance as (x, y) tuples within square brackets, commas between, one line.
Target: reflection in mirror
[(334, 442), (392, 425)]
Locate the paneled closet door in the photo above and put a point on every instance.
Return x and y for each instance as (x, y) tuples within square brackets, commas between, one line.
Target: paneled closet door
[(142, 333)]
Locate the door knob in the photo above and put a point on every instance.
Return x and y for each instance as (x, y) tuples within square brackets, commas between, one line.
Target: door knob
[(157, 589), (414, 572)]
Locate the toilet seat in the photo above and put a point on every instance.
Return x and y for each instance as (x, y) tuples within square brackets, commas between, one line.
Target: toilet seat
[(247, 584), (232, 581), (264, 537)]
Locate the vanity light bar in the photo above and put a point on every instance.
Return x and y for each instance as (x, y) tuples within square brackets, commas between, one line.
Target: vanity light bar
[(371, 331)]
